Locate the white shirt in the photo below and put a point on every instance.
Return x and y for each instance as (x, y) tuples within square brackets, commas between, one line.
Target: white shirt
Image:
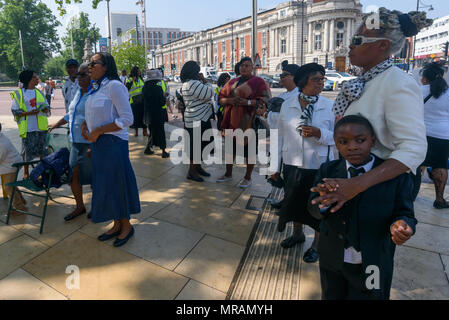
[(69, 90), (8, 155), (198, 101), (352, 255), (123, 79), (273, 117), (296, 150), (436, 114), (110, 104), (29, 97), (393, 103)]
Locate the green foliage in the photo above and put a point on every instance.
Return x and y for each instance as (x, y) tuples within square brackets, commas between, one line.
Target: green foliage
[(38, 26), (82, 31), (128, 55), (61, 3), (55, 68)]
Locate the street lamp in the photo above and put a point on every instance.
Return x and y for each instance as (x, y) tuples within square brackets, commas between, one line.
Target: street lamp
[(419, 5)]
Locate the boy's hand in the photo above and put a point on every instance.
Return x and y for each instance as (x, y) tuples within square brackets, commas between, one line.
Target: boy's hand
[(400, 232)]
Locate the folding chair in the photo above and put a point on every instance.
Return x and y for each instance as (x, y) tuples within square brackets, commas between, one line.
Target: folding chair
[(30, 187)]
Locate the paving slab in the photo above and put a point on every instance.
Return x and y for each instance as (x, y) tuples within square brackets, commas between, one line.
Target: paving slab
[(310, 283), (212, 262), (195, 290), (418, 275), (445, 260), (16, 252), (105, 272), (431, 238), (224, 223), (426, 213), (20, 285), (7, 233)]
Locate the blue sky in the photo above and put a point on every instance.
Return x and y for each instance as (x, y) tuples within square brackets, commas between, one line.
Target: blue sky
[(195, 15)]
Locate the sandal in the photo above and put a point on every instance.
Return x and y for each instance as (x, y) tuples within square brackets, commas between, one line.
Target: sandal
[(72, 216)]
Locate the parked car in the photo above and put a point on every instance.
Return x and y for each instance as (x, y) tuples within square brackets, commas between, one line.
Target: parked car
[(177, 79), (328, 85), (58, 83), (270, 81), (339, 77), (277, 77), (212, 79)]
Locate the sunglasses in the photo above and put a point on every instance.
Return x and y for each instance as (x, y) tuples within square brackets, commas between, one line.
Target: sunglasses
[(285, 74), (360, 40), (316, 79), (93, 63)]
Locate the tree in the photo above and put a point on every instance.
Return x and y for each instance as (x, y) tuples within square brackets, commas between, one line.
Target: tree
[(61, 3), (81, 30), (55, 68), (38, 26), (128, 55)]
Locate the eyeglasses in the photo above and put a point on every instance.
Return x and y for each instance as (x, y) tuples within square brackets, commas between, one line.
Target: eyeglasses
[(316, 79), (285, 74), (93, 63), (360, 40)]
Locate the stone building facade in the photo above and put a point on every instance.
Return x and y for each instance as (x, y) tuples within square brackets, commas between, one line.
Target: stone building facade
[(297, 31)]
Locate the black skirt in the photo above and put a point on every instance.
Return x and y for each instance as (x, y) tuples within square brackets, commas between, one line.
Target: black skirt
[(138, 110), (437, 153), (298, 182), (189, 148)]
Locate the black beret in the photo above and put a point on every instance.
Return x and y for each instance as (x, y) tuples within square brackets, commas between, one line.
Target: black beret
[(307, 69)]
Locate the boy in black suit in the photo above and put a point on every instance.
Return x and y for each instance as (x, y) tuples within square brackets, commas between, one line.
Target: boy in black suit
[(357, 242)]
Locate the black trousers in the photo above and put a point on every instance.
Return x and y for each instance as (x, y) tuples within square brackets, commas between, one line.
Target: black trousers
[(346, 284)]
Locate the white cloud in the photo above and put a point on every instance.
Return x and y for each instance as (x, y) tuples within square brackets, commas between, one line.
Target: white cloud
[(371, 8), (73, 10)]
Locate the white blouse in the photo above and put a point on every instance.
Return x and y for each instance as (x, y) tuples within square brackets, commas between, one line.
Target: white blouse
[(303, 152), (110, 104), (436, 114)]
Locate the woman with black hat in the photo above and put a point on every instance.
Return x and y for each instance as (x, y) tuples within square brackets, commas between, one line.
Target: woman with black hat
[(306, 141)]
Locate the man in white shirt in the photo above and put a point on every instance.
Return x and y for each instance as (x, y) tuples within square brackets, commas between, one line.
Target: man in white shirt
[(9, 156), (123, 77), (70, 87)]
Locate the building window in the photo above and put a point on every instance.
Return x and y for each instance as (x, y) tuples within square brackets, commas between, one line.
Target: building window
[(339, 39), (223, 46), (318, 27), (264, 39), (340, 25), (283, 13), (264, 60), (119, 32), (283, 46), (315, 60), (242, 42), (168, 35), (318, 42), (215, 48), (151, 35)]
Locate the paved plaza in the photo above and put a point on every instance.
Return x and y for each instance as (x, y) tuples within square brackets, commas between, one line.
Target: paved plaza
[(189, 242)]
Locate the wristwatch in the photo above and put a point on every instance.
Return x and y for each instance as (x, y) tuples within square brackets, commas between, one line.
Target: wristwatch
[(249, 102)]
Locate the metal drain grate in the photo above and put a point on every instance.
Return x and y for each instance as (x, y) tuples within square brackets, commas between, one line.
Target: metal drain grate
[(267, 271)]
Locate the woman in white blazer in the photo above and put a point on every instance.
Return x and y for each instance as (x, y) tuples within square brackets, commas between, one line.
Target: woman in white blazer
[(389, 98), (306, 141)]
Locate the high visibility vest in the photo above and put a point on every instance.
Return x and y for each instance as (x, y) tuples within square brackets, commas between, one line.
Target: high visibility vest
[(135, 89), (22, 122), (163, 85), (217, 92)]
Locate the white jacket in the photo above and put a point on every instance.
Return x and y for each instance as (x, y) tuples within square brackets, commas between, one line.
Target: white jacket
[(394, 105), (303, 152)]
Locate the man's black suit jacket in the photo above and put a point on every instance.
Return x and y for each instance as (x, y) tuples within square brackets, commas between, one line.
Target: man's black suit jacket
[(378, 207)]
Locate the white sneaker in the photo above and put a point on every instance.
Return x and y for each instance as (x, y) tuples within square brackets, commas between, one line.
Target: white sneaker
[(245, 183), (224, 179)]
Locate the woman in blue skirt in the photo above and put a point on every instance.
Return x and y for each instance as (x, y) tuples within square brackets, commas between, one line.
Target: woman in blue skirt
[(108, 115)]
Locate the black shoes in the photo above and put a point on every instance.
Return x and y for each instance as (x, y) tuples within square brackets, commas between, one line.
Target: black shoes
[(199, 179), (203, 172), (148, 151), (164, 154), (292, 241), (105, 237), (440, 205), (276, 204), (120, 242), (72, 216), (311, 256)]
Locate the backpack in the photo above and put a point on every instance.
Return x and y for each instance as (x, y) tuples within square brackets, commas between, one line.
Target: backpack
[(58, 162)]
